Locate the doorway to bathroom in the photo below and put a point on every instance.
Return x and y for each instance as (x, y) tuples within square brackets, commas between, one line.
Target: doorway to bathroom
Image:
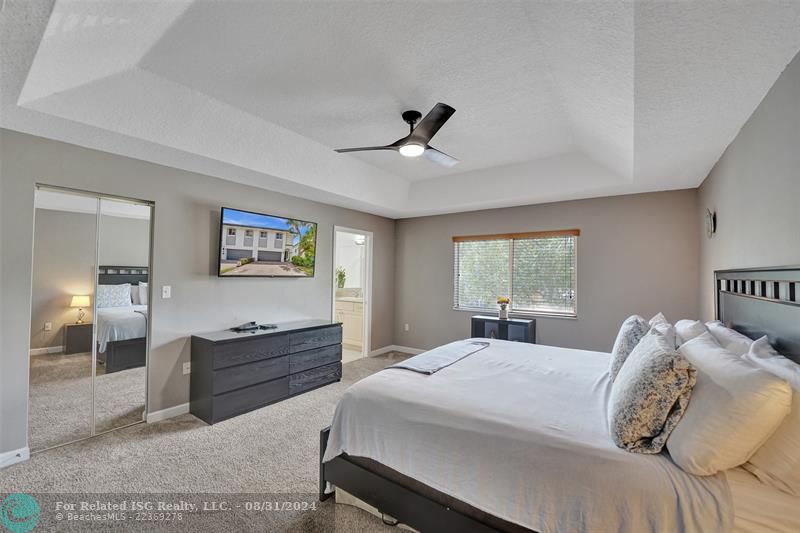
[(352, 289)]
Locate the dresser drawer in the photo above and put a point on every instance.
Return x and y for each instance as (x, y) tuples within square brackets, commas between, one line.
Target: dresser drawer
[(236, 377), (317, 338), (243, 400), (316, 377), (314, 358), (237, 353)]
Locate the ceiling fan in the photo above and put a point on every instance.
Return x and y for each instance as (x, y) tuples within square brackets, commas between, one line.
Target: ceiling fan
[(415, 144)]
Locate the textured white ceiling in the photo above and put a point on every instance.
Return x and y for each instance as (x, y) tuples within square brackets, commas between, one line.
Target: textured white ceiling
[(554, 100)]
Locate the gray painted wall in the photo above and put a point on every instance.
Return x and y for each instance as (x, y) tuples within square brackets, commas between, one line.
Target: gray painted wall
[(636, 254), (124, 241), (185, 248), (755, 190), (63, 264)]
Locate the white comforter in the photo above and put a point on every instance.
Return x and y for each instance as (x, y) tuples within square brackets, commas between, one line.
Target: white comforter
[(520, 431), (120, 323)]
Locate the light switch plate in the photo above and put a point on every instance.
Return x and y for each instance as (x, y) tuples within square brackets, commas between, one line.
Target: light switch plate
[(187, 368), (166, 291), (48, 326)]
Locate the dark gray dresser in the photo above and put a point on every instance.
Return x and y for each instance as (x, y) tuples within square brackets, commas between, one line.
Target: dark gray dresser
[(233, 373)]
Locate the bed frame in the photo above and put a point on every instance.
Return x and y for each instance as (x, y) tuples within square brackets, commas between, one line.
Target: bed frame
[(755, 302), (129, 353), (762, 301)]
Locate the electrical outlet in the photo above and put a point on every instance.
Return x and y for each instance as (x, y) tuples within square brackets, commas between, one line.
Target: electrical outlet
[(166, 292), (406, 327), (187, 368), (48, 326)]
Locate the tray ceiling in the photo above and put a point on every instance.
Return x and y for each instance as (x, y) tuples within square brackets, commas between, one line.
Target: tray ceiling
[(554, 100)]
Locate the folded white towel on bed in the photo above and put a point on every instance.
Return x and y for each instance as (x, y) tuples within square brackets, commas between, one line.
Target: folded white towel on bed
[(434, 360)]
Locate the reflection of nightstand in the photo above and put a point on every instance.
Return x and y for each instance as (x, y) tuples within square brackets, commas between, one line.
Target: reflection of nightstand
[(78, 337)]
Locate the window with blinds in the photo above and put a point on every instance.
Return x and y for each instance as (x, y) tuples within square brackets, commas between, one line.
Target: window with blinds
[(537, 271)]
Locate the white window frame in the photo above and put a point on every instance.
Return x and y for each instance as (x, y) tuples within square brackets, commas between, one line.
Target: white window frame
[(512, 237)]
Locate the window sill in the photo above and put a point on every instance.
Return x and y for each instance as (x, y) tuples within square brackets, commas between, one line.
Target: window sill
[(517, 314)]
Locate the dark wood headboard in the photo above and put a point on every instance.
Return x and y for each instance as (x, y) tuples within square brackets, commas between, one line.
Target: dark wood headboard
[(764, 301), (117, 275)]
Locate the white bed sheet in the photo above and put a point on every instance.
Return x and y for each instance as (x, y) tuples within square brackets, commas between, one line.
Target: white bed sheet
[(120, 323), (520, 431), (759, 508)]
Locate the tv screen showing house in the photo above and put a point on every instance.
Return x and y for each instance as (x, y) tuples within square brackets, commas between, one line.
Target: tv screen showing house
[(258, 245)]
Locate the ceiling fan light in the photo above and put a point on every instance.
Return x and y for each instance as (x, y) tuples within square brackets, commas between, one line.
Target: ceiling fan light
[(412, 150)]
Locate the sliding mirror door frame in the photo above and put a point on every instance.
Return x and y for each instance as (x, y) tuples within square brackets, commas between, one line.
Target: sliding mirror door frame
[(60, 374), (99, 197), (113, 396)]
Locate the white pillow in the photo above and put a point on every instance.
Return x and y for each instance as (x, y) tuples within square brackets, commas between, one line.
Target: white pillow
[(728, 338), (143, 293), (668, 332), (660, 324), (135, 294), (658, 319), (689, 329), (735, 407), (114, 295), (777, 462)]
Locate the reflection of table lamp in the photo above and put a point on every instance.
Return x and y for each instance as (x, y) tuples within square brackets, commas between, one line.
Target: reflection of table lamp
[(80, 302)]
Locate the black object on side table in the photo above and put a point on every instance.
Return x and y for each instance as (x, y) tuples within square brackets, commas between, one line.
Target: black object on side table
[(513, 329), (78, 338)]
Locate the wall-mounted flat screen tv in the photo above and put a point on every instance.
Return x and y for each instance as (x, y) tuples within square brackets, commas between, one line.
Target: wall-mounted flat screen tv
[(258, 245)]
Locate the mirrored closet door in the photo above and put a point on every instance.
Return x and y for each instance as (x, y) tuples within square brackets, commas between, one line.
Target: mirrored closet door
[(90, 318)]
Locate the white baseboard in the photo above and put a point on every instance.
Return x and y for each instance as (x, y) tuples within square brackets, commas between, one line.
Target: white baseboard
[(396, 348), (169, 412), (14, 457), (47, 350)]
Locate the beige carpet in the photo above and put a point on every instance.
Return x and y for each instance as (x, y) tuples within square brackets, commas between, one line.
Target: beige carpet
[(271, 453), (61, 398)]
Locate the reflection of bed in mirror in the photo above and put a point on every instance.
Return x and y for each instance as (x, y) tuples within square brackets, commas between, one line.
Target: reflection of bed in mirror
[(122, 330)]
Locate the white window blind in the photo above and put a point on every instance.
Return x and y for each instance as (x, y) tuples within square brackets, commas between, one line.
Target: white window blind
[(536, 270)]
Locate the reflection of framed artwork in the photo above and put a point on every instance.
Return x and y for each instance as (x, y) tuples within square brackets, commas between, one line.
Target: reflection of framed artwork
[(491, 330)]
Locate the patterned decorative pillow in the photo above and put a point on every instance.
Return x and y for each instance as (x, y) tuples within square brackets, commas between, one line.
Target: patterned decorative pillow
[(630, 333), (650, 395), (114, 295)]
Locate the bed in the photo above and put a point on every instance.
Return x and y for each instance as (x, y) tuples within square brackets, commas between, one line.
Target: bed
[(514, 438), (122, 331)]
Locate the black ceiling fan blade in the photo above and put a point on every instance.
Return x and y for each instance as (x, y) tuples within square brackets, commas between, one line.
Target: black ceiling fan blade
[(432, 122), (441, 158), (365, 149)]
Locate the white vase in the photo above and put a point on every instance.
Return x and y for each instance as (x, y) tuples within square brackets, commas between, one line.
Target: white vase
[(503, 313)]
